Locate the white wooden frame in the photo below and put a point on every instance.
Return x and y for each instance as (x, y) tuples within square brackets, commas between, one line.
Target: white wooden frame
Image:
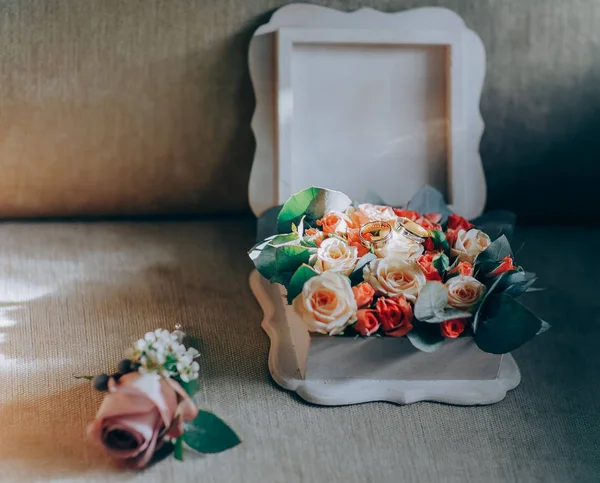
[(269, 67)]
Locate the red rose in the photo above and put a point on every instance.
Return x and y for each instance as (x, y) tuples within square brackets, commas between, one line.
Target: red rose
[(429, 245), (453, 328), (430, 221), (363, 294), (367, 323), (451, 236), (463, 268), (316, 234), (395, 315), (426, 264), (456, 222), (506, 264)]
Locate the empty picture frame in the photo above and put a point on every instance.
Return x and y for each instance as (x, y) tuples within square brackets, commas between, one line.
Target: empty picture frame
[(382, 104)]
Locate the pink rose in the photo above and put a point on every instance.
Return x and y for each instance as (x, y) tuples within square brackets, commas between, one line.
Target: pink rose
[(136, 415)]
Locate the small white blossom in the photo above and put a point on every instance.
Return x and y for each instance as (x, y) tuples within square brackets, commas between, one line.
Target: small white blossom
[(162, 352)]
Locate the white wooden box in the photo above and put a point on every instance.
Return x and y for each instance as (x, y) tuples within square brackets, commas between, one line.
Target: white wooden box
[(369, 102)]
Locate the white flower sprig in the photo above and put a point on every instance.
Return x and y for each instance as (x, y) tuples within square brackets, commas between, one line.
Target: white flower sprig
[(163, 352)]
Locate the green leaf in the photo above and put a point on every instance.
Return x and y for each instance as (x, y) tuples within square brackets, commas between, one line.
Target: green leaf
[(373, 198), (439, 240), (209, 434), (429, 200), (356, 276), (273, 260), (314, 203), (425, 337), (178, 449), (505, 325), (497, 250), (431, 305), (191, 387), (431, 300), (300, 277), (490, 291), (515, 283), (441, 262)]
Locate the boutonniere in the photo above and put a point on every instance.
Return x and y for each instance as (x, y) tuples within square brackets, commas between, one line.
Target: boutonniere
[(148, 404)]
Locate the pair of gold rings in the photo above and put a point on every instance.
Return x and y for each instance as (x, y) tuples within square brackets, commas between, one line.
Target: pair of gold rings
[(377, 234)]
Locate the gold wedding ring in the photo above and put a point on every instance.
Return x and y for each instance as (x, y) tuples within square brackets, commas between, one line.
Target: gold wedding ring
[(375, 234), (412, 230)]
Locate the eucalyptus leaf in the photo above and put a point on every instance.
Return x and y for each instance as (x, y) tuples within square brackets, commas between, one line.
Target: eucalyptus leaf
[(496, 223), (425, 337), (300, 277), (356, 276), (266, 224), (429, 200), (431, 305), (431, 300), (505, 325), (488, 292), (275, 260), (516, 283), (545, 326), (498, 249), (209, 434), (314, 203)]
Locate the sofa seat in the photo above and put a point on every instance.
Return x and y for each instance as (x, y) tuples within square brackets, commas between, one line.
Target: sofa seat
[(74, 295)]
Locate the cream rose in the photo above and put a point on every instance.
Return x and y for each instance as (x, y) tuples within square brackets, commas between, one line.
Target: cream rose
[(326, 303), (394, 277), (464, 292), (400, 247), (469, 244), (337, 256), (368, 212)]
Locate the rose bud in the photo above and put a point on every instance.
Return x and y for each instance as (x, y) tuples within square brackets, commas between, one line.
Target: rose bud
[(395, 315), (100, 382), (463, 268), (363, 294), (137, 414), (453, 328), (367, 323), (506, 264)]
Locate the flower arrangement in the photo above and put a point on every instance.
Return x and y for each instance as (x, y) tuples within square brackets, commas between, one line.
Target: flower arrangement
[(148, 406), (420, 272)]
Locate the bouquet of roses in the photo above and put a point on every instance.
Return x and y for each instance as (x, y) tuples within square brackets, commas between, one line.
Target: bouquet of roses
[(421, 271)]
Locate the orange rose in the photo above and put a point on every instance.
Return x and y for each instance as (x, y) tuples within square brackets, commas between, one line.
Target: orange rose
[(367, 322), (395, 315), (411, 215), (456, 222), (334, 222), (363, 294), (463, 268), (426, 264), (453, 328), (506, 264), (317, 234), (354, 240)]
